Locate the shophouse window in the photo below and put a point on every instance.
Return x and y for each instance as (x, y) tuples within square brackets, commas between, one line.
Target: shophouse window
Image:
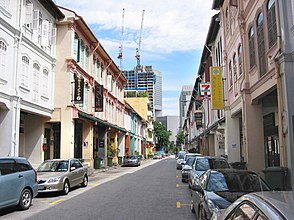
[(272, 24), (86, 97), (240, 59), (251, 47), (260, 43), (37, 26), (82, 50), (36, 76), (76, 48), (45, 82), (235, 67), (25, 71), (29, 14), (231, 73), (87, 59), (3, 49)]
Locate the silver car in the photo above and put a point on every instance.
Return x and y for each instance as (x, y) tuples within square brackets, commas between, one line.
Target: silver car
[(260, 205), (59, 175)]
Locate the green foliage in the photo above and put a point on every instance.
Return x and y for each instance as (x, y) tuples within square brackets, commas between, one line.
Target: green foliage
[(180, 138), (131, 94), (162, 135), (111, 151)]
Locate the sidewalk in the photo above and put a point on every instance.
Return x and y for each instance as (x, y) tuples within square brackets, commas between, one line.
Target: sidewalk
[(93, 172)]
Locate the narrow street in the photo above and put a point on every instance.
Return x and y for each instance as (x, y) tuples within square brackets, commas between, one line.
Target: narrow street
[(152, 191)]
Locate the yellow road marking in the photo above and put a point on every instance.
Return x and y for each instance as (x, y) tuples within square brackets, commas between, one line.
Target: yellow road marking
[(177, 176), (178, 204), (55, 202), (178, 185)]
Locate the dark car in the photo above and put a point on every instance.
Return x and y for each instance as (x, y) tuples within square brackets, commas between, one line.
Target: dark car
[(131, 160), (18, 182), (217, 189), (203, 163)]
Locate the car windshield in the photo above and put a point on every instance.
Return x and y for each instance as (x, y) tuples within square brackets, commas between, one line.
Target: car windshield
[(235, 182), (132, 157), (53, 166), (181, 156), (204, 164), (190, 161)]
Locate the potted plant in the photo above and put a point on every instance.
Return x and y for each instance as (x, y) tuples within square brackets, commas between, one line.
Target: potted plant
[(110, 154)]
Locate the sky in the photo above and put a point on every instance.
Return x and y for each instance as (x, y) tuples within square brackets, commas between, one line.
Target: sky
[(172, 37)]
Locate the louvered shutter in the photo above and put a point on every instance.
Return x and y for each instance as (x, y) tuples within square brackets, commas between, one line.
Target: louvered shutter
[(45, 33)]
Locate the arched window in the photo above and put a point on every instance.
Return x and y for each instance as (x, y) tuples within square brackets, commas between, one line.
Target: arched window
[(251, 47), (272, 24), (235, 67), (260, 44), (3, 48), (240, 59), (231, 73), (25, 71)]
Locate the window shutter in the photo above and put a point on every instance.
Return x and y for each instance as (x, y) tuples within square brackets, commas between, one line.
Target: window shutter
[(36, 19), (29, 15), (45, 33), (53, 36), (50, 33), (2, 60), (76, 48)]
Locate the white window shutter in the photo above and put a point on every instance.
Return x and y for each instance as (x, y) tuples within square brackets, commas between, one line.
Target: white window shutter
[(109, 82), (45, 32), (29, 15), (50, 33), (53, 36), (36, 19)]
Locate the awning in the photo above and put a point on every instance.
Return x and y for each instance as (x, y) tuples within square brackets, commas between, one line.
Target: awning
[(100, 121)]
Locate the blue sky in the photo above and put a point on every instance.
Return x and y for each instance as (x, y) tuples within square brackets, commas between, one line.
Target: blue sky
[(173, 36)]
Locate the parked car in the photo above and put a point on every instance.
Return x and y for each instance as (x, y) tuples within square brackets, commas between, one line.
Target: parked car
[(217, 189), (60, 175), (131, 160), (180, 158), (204, 163), (157, 156), (18, 182), (260, 205), (187, 169)]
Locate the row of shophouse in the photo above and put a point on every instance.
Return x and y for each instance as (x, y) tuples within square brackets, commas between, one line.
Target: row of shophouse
[(61, 95), (242, 101)]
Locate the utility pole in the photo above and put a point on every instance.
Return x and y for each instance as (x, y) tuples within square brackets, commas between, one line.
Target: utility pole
[(120, 54)]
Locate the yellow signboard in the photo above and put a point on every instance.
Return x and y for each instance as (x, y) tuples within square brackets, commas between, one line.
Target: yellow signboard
[(217, 100)]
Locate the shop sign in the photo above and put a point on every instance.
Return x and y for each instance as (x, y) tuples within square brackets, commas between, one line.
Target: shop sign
[(79, 91), (98, 98), (198, 118)]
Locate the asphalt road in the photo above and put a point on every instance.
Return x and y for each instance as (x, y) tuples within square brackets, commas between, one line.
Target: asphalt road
[(152, 191)]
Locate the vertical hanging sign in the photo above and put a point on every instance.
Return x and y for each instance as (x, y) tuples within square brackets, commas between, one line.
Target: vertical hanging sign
[(217, 100), (79, 91), (98, 98)]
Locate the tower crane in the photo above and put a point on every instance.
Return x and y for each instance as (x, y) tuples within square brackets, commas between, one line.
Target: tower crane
[(120, 53), (140, 41)]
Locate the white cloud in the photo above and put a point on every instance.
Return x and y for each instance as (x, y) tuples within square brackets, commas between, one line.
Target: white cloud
[(169, 25)]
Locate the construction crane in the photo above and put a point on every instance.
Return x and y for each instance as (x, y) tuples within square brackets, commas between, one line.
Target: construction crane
[(120, 54), (140, 41)]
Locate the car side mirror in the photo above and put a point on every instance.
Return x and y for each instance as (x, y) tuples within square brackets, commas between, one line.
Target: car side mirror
[(72, 168), (197, 188)]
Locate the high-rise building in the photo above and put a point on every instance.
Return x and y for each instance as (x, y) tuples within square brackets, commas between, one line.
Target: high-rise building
[(171, 122), (184, 101), (145, 79)]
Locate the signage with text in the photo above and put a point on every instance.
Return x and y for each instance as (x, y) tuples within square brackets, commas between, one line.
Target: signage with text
[(79, 91)]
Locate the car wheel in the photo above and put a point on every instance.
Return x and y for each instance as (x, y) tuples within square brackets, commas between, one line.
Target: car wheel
[(66, 188), (192, 208), (201, 214), (85, 181), (25, 199)]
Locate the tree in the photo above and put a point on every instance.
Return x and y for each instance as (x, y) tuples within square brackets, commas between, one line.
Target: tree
[(180, 139), (162, 136)]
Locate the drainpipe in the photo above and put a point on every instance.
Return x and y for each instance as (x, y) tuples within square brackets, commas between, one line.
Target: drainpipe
[(17, 108), (281, 110)]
